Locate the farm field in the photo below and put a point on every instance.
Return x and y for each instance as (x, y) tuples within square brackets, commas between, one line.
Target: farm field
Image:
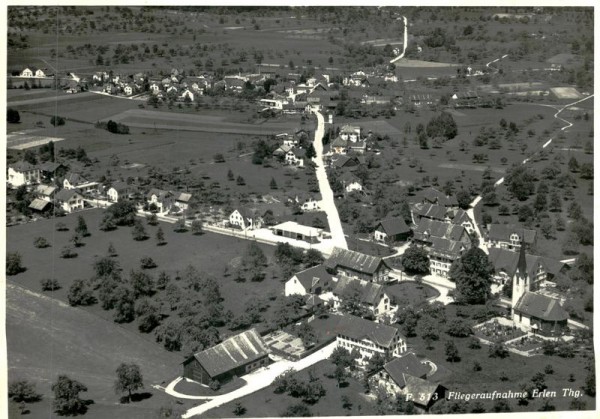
[(45, 338)]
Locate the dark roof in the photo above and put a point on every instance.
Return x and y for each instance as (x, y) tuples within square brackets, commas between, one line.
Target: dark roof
[(342, 160), (65, 194), (120, 186), (299, 152), (428, 228), (460, 217), (393, 226), (407, 364), (423, 388), (450, 249), (541, 306), (23, 166), (358, 328), (356, 261), (370, 292), (160, 194), (348, 178), (502, 232), (507, 260), (433, 211), (38, 204), (49, 166), (311, 276), (436, 197), (233, 352), (75, 179), (339, 142)]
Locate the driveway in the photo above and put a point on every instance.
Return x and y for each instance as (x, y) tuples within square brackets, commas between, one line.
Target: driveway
[(328, 202), (262, 378)]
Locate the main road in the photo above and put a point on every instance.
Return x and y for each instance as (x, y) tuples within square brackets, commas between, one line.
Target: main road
[(328, 201)]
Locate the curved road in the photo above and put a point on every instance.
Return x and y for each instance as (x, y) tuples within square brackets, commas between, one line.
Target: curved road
[(471, 209), (328, 202)]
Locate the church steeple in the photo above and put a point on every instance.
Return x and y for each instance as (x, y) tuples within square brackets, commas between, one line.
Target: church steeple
[(520, 280)]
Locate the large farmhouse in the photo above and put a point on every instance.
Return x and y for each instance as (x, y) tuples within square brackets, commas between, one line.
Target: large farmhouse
[(234, 357), (358, 265), (315, 280)]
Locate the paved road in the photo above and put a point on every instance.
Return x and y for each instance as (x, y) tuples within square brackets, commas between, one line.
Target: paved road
[(328, 202), (405, 43), (262, 378)]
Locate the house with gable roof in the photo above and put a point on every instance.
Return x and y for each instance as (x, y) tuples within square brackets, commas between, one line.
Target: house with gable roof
[(393, 228), (315, 280), (118, 191), (372, 296), (358, 265), (22, 173), (75, 180), (162, 200), (245, 219), (69, 200), (508, 236), (539, 268), (235, 356)]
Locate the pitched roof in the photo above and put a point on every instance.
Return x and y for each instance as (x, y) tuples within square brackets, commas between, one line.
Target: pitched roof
[(342, 160), (299, 152), (160, 194), (460, 217), (407, 364), (370, 292), (233, 352), (541, 306), (183, 196), (350, 129), (75, 178), (120, 186), (354, 260), (339, 142), (423, 388), (437, 197), (38, 204), (428, 228), (502, 232), (433, 211), (45, 190), (358, 328), (348, 178), (49, 166), (65, 194), (507, 261), (450, 249), (394, 225), (311, 276), (22, 166)]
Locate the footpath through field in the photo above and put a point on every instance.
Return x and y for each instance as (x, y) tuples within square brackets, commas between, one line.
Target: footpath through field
[(328, 201), (404, 44), (262, 378)]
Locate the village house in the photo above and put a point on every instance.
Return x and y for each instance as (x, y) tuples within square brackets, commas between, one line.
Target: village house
[(159, 200), (358, 265), (341, 160), (182, 200), (295, 157), (41, 205), (441, 213), (428, 228), (33, 73), (282, 150), (23, 173), (297, 231), (305, 201), (433, 196), (350, 133), (235, 83), (339, 146), (393, 229), (315, 280), (186, 94), (422, 100), (508, 236), (371, 296), (368, 338), (128, 89), (350, 182), (118, 191), (539, 268), (69, 200), (466, 99), (234, 357), (407, 375), (45, 192), (442, 253), (531, 310), (77, 181), (245, 219)]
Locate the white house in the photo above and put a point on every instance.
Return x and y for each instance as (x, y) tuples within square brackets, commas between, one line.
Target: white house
[(76, 181), (244, 219), (161, 199), (350, 182), (187, 93), (372, 296), (295, 157), (45, 192), (23, 173), (128, 89), (272, 103), (26, 73), (69, 200), (315, 280), (182, 200), (118, 191), (350, 133)]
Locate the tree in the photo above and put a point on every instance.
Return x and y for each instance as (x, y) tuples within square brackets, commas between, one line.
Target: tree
[(539, 381), (427, 328), (160, 237), (57, 120), (240, 181), (253, 262), (124, 305), (108, 222), (80, 294), (23, 391), (141, 283), (472, 273), (12, 116), (49, 284), (81, 228), (14, 263), (152, 219), (129, 378), (458, 328), (310, 151), (498, 350), (451, 351), (590, 384), (239, 409), (197, 227), (66, 396), (112, 252), (179, 226), (138, 231), (352, 300), (273, 184), (106, 267), (464, 199), (415, 260), (123, 212), (147, 263), (296, 410)]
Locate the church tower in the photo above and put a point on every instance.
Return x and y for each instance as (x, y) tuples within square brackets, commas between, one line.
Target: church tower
[(521, 282)]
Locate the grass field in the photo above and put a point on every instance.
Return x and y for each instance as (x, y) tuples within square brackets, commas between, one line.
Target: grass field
[(266, 403), (46, 337), (409, 292)]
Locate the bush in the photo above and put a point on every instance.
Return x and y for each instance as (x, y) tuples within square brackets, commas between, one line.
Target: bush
[(68, 253), (214, 385), (498, 350), (41, 243), (12, 116), (57, 121), (80, 294), (147, 263), (458, 328), (23, 391), (14, 263), (61, 227), (49, 284)]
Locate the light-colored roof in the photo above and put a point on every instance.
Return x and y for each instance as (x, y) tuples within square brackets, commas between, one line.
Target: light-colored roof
[(65, 194), (233, 352), (296, 228), (428, 228), (38, 204), (541, 306), (502, 232), (45, 190), (356, 261)]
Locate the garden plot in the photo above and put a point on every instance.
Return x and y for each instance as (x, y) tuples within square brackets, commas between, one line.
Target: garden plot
[(22, 140), (566, 92)]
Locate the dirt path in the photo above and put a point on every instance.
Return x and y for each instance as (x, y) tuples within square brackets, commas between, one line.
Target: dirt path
[(404, 44)]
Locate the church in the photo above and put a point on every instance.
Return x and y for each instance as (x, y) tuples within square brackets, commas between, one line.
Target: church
[(531, 310)]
